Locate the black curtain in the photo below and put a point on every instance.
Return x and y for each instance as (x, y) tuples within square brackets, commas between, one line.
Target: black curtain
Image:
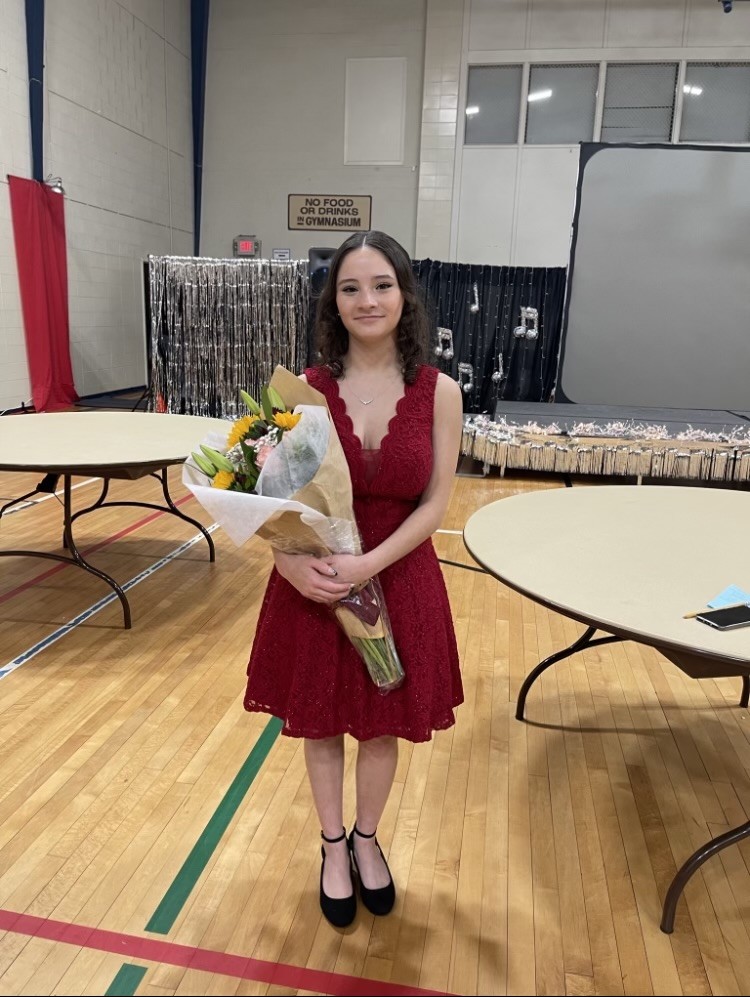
[(481, 306)]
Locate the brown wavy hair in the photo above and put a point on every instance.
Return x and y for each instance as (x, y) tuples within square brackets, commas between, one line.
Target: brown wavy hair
[(332, 338)]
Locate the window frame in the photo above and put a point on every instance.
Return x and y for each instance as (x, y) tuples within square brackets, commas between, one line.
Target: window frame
[(603, 65)]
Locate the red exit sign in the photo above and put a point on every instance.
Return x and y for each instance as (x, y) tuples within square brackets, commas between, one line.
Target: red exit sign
[(246, 245)]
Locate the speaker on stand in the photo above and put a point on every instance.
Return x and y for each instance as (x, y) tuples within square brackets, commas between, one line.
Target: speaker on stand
[(319, 262)]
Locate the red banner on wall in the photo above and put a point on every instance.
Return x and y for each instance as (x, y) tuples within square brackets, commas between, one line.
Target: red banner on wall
[(39, 234)]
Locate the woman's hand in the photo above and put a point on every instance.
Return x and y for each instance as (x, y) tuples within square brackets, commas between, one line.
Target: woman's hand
[(353, 569), (314, 578)]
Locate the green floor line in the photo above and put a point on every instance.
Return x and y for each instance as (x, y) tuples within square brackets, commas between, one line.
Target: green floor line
[(168, 910), (126, 982)]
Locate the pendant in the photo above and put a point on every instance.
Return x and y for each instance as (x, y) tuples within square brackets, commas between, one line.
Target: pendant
[(368, 402)]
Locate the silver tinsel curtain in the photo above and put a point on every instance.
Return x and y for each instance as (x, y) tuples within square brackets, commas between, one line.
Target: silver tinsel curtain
[(220, 325)]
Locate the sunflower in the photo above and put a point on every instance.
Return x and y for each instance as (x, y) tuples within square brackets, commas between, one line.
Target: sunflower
[(287, 420), (223, 479), (240, 429)]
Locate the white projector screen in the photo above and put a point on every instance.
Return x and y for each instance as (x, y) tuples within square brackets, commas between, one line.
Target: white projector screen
[(658, 306)]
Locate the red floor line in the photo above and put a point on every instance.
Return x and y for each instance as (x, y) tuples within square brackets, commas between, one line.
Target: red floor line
[(205, 960), (89, 550)]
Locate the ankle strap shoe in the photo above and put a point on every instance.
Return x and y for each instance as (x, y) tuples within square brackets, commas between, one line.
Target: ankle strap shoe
[(338, 912), (381, 900)]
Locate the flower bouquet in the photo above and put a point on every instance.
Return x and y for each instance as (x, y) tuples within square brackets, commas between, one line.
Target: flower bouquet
[(281, 474)]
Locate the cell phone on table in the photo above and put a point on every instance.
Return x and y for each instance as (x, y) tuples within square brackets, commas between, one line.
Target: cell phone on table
[(726, 619)]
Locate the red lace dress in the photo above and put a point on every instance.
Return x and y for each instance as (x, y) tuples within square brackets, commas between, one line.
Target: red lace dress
[(302, 667)]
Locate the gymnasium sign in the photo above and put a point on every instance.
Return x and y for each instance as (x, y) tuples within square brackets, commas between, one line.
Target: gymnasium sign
[(319, 212)]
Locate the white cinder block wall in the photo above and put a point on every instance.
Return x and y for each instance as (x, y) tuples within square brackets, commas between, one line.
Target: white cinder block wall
[(118, 132), (439, 133)]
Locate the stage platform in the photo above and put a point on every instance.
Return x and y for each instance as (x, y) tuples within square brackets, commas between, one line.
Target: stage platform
[(694, 444)]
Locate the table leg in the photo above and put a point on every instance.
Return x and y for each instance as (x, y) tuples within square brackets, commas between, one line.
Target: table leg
[(581, 644), (80, 560), (194, 522), (75, 557), (171, 508), (694, 862), (701, 854)]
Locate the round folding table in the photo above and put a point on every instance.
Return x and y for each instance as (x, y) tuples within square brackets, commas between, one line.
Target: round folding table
[(632, 562), (107, 445)]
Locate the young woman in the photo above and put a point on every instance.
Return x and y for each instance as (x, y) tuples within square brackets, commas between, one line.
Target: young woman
[(399, 422)]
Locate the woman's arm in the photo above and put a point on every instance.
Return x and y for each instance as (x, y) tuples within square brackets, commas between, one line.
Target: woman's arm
[(447, 426)]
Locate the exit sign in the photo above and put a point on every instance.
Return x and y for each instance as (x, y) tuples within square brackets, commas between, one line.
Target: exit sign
[(247, 245)]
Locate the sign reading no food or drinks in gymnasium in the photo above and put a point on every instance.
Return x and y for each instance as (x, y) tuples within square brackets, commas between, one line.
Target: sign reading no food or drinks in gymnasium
[(316, 212)]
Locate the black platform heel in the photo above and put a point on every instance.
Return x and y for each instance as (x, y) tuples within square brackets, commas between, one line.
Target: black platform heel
[(378, 901), (339, 912)]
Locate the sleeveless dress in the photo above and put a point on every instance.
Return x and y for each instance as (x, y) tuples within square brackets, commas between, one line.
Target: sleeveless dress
[(302, 668)]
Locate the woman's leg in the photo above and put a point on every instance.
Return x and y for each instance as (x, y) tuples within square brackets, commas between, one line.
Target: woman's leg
[(325, 769), (376, 767)]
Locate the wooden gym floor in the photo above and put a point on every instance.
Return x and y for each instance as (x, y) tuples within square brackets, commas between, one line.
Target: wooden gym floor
[(155, 839)]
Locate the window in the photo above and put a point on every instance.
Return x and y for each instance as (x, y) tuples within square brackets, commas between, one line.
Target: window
[(639, 102), (716, 102), (561, 104), (492, 103)]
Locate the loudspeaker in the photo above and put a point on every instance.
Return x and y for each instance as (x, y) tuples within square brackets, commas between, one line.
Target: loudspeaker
[(319, 262)]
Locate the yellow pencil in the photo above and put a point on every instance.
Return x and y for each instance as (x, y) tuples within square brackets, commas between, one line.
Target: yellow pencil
[(734, 605)]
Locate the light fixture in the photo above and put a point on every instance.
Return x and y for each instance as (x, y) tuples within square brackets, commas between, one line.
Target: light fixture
[(693, 91), (55, 183), (473, 109), (540, 95)]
